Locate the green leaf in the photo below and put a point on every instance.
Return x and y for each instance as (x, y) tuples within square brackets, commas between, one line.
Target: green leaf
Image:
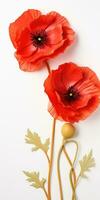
[(35, 140), (86, 164), (34, 178)]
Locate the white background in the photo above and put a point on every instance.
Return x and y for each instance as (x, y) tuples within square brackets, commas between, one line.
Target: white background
[(23, 103)]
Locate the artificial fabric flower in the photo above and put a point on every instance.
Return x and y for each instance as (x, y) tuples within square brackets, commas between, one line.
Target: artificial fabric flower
[(37, 38), (74, 92)]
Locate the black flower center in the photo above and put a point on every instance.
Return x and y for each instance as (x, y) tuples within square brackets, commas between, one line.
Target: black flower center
[(70, 96), (39, 38)]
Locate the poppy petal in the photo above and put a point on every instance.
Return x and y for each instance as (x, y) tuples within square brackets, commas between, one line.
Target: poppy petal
[(43, 53), (90, 108), (55, 35), (91, 75), (59, 19), (27, 51), (28, 66), (25, 39), (70, 75), (42, 22), (16, 28)]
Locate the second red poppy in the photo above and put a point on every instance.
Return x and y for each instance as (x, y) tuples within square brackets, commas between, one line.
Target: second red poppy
[(74, 92)]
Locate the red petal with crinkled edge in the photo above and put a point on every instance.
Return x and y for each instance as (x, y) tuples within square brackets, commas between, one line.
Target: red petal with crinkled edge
[(68, 74), (55, 36), (59, 19), (90, 76), (36, 55), (16, 28), (90, 108), (42, 23), (31, 66)]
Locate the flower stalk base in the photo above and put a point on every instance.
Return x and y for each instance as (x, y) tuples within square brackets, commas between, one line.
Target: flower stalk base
[(85, 164)]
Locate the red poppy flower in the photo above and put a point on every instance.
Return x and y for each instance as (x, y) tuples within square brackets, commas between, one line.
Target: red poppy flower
[(74, 92), (37, 37)]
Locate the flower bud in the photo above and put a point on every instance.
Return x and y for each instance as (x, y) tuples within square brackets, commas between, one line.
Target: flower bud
[(67, 130)]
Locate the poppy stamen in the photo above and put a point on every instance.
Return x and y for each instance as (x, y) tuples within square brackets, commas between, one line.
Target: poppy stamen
[(70, 95), (39, 38)]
